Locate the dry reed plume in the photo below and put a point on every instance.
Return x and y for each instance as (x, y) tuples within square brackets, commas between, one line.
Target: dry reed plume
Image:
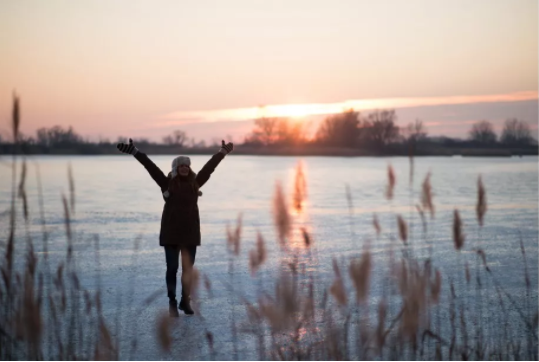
[(163, 330), (257, 257), (300, 188), (234, 237), (481, 207), (16, 118), (380, 328), (403, 229), (391, 180), (426, 195), (414, 287), (360, 271), (376, 225), (436, 287), (281, 215), (458, 235), (337, 289), (307, 239)]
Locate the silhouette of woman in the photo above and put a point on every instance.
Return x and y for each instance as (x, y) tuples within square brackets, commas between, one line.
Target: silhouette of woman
[(180, 221)]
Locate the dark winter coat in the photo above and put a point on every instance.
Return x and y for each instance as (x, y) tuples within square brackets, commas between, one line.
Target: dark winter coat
[(180, 221)]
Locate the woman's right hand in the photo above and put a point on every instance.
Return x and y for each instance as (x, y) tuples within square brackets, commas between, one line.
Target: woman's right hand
[(128, 148)]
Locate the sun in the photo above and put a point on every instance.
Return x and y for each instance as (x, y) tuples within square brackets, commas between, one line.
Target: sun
[(290, 110)]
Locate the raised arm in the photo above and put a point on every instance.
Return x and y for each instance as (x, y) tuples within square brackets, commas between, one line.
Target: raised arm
[(155, 172), (204, 175)]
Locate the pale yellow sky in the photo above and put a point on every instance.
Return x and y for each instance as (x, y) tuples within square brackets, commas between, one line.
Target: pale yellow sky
[(116, 67)]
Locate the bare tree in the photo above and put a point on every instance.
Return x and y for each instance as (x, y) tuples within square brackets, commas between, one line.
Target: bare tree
[(177, 138), (516, 132), (380, 128), (340, 129), (103, 140), (200, 144), (25, 140), (290, 132), (57, 135), (415, 131), (266, 129), (483, 132), (142, 141), (277, 130)]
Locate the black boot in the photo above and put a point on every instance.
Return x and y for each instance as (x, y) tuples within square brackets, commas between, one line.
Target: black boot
[(173, 308), (185, 305)]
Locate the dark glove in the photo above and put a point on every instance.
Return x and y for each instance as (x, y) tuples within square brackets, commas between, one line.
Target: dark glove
[(226, 149), (127, 147)]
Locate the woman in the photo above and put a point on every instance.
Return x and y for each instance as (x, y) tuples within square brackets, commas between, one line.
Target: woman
[(180, 221)]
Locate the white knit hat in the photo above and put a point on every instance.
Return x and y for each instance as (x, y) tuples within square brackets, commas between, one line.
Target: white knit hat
[(180, 160)]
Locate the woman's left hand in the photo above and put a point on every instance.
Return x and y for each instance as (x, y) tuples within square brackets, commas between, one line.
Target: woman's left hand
[(226, 148)]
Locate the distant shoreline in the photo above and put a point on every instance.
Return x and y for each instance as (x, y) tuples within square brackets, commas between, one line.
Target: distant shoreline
[(390, 151)]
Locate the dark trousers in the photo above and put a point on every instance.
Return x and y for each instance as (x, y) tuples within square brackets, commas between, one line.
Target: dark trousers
[(172, 255)]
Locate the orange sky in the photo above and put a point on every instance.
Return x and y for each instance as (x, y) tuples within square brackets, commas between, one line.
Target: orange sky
[(129, 67)]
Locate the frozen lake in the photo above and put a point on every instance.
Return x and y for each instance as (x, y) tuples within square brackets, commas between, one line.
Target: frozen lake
[(117, 201)]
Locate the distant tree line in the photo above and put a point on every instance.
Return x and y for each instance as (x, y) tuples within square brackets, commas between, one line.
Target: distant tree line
[(66, 137), (64, 140), (515, 132), (378, 131)]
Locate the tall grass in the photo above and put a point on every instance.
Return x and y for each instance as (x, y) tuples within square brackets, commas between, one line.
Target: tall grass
[(421, 314), (418, 312), (45, 312)]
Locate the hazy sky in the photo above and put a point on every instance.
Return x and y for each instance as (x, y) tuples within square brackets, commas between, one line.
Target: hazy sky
[(136, 68)]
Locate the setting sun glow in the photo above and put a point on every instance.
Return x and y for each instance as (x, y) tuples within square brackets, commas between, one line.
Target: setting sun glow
[(291, 110)]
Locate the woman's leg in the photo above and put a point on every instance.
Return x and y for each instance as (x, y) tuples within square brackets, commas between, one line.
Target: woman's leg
[(172, 255), (188, 260)]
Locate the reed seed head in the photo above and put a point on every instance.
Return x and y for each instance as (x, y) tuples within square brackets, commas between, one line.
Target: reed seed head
[(16, 120), (337, 288), (258, 256), (281, 215), (426, 195), (481, 207), (360, 274), (458, 235), (234, 237), (376, 224), (163, 331), (403, 229), (300, 188), (391, 180)]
